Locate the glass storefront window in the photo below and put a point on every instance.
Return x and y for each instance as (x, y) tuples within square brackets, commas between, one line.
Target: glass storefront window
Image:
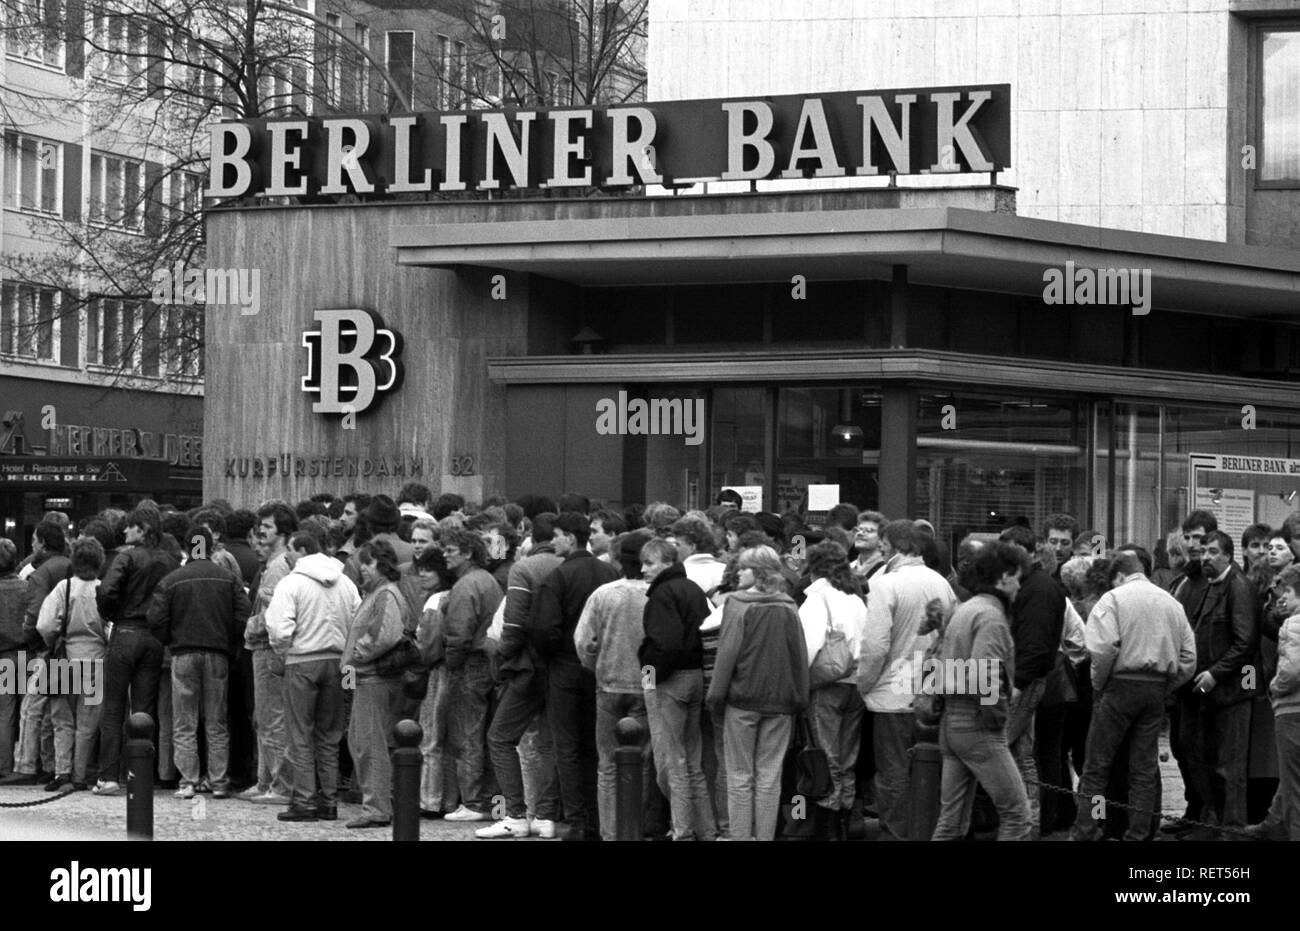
[(673, 460), (738, 439), (827, 436), (984, 462)]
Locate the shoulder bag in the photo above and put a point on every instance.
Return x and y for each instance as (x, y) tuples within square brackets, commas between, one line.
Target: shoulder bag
[(812, 766), (834, 660)]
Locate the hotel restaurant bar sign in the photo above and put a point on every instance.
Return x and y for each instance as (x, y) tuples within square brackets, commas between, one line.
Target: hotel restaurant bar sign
[(936, 130)]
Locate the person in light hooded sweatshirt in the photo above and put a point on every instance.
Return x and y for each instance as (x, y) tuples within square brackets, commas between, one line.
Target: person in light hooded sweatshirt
[(306, 626)]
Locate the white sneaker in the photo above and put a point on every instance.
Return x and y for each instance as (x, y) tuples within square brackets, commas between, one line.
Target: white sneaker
[(185, 791), (465, 814), (251, 794), (508, 827), (544, 828), (106, 787), (271, 798)]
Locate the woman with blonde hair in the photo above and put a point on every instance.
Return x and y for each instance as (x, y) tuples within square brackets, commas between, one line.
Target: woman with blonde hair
[(760, 680)]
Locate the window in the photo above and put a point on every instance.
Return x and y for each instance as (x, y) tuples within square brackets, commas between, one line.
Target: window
[(333, 65), (111, 334), (33, 174), (119, 45), (551, 92), (37, 32), (182, 339), (361, 79), (115, 192), (400, 60), (1279, 106), (185, 192), (442, 65), (458, 74), (478, 88), (28, 320)]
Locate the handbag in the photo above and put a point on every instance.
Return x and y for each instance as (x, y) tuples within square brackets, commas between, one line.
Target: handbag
[(404, 655), (812, 766), (59, 649), (834, 660)]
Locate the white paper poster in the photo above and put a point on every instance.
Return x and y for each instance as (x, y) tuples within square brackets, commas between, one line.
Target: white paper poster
[(751, 497), (823, 497)]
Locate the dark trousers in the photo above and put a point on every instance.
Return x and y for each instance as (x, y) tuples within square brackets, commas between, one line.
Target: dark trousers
[(133, 665), (1049, 746), (1136, 710), (571, 710), (522, 700), (1195, 804), (1216, 740), (239, 714), (313, 729)]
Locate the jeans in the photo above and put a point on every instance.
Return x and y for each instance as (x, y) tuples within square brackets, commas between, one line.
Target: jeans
[(1284, 814), (166, 725), (76, 724), (571, 711), (133, 664), (200, 684), (9, 705), (34, 720), (972, 753), (837, 711), (1126, 708), (891, 738), (1020, 738), (268, 692), (713, 762), (612, 707), (673, 710), (1216, 741), (313, 729), (537, 766), (438, 775), (470, 686), (370, 741), (522, 704), (756, 745)]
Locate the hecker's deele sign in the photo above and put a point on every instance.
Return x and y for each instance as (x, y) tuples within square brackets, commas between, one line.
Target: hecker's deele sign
[(846, 133), (352, 359)]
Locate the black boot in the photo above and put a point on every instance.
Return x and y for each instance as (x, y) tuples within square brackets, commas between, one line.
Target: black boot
[(823, 825)]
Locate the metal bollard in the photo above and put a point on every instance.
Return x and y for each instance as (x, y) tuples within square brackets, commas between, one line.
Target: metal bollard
[(139, 776), (925, 776), (629, 766), (407, 763)]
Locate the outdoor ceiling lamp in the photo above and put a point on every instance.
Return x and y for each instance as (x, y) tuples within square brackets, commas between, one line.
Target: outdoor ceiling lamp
[(847, 438)]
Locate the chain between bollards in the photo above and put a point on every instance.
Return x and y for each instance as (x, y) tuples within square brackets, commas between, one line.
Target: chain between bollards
[(139, 757), (629, 764), (407, 763)]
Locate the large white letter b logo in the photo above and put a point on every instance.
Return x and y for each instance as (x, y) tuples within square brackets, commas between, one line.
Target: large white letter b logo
[(344, 366)]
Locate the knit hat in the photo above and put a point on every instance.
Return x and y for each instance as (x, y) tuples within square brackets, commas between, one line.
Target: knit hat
[(382, 514), (630, 549)]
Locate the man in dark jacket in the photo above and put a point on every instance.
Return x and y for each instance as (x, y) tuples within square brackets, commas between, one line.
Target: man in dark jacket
[(200, 611), (1037, 618), (134, 660), (13, 605), (571, 688), (1215, 707), (672, 657), (523, 699)]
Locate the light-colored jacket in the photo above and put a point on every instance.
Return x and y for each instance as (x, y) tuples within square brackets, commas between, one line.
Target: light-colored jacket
[(610, 631), (891, 644), (1284, 690), (255, 634), (86, 638), (704, 570), (846, 612), (1140, 631), (309, 612)]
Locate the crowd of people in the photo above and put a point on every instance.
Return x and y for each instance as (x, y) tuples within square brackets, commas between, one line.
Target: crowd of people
[(276, 649)]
